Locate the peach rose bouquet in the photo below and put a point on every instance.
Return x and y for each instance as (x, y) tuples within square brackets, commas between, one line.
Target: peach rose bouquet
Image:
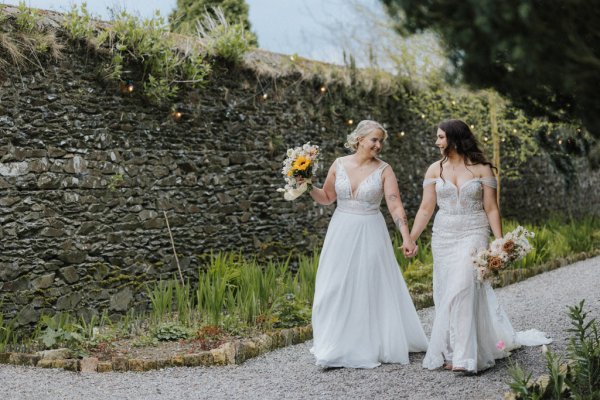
[(502, 252)]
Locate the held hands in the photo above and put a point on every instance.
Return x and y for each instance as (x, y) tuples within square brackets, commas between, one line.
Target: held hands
[(410, 249)]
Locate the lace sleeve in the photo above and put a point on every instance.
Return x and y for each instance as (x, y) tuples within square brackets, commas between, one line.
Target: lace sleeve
[(490, 181), (429, 181)]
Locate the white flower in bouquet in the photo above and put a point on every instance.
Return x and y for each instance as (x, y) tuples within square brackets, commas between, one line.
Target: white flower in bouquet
[(502, 252), (301, 162)]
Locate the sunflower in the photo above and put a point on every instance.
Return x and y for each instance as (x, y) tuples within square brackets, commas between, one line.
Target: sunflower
[(301, 163)]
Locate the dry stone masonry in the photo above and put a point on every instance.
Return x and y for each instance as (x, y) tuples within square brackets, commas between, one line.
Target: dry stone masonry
[(87, 175)]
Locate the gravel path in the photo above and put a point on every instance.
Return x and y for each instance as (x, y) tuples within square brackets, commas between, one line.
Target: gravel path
[(290, 373)]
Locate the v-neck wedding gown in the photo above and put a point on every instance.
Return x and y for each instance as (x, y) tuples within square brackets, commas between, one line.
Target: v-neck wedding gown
[(362, 314), (469, 322)]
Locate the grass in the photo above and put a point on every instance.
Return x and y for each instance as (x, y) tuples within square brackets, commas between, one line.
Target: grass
[(7, 334), (557, 238), (24, 42), (235, 295)]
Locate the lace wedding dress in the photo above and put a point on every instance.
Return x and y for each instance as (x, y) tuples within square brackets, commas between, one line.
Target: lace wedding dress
[(362, 312), (469, 322)]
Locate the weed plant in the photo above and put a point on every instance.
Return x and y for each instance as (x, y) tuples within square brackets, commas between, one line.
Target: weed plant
[(236, 295), (577, 376)]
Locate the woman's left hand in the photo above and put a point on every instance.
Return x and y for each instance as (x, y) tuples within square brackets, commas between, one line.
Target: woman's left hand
[(410, 249)]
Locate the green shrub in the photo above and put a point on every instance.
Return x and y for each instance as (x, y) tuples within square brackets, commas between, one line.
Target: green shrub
[(224, 40), (289, 312), (27, 19), (578, 377), (78, 23), (170, 332), (59, 331), (145, 43)]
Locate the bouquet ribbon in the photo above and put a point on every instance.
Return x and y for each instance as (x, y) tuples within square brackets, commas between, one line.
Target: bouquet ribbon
[(293, 193)]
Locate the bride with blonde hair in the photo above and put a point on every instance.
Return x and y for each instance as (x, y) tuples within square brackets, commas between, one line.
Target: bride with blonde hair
[(363, 314)]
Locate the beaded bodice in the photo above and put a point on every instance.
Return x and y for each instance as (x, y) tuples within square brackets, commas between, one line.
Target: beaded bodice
[(467, 198), (367, 196)]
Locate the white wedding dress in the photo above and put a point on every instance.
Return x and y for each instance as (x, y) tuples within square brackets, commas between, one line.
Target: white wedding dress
[(469, 322), (362, 314)]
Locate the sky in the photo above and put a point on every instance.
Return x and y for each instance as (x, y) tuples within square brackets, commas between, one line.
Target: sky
[(302, 27)]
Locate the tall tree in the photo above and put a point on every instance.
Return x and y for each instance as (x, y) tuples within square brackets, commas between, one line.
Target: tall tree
[(542, 54), (187, 13)]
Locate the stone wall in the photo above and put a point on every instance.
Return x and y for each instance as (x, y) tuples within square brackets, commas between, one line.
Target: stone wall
[(87, 175)]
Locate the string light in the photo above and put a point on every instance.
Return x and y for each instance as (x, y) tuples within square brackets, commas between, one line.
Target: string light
[(264, 96), (453, 102), (323, 89), (126, 86), (473, 127), (402, 133), (514, 131), (350, 122), (559, 141), (176, 115), (485, 138), (422, 116)]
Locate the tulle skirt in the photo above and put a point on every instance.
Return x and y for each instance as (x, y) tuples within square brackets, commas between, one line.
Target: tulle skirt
[(363, 314)]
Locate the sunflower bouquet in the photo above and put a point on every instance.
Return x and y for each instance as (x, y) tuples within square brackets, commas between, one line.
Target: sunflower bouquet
[(502, 252), (301, 162)]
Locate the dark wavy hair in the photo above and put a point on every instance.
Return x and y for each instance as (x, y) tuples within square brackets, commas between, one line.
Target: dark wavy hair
[(460, 139)]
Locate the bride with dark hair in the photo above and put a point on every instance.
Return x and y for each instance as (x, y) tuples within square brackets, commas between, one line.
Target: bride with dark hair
[(469, 323)]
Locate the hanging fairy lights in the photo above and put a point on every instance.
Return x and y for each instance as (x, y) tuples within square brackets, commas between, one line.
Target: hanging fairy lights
[(126, 86), (176, 115)]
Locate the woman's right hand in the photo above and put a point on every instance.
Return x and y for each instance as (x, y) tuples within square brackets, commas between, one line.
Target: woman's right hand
[(410, 249)]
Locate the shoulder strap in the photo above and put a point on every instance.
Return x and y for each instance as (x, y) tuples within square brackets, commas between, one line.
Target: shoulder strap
[(490, 181), (429, 181)]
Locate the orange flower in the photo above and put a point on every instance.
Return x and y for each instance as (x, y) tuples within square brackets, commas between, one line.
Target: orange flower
[(509, 246), (495, 263), (301, 163)]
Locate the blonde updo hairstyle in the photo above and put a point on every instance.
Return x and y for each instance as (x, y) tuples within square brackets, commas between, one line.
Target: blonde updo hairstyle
[(363, 128)]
